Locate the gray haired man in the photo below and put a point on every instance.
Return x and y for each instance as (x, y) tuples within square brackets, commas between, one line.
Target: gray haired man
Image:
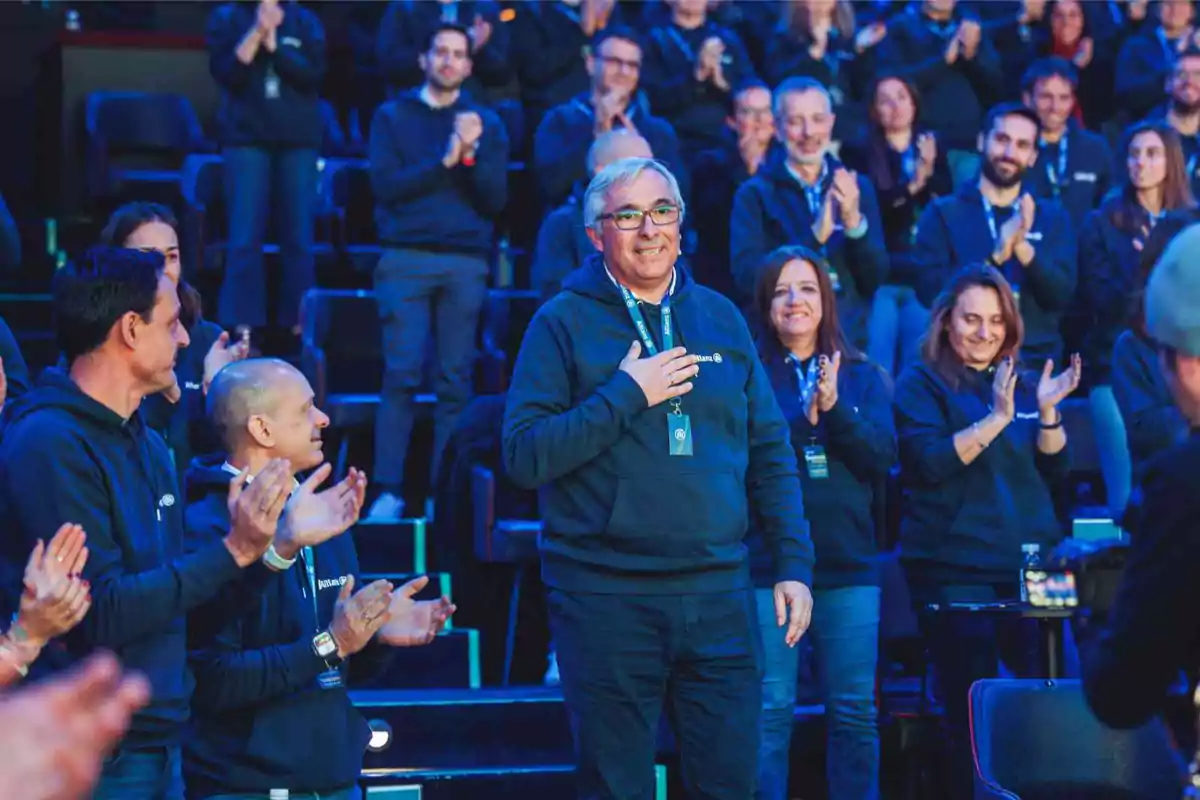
[(640, 410)]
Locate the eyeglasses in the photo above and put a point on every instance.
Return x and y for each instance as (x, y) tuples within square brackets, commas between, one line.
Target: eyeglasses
[(622, 64), (631, 219)]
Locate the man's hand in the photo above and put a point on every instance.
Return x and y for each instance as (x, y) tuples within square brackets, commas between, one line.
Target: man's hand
[(663, 376), (793, 596), (1012, 232), (822, 227), (1083, 56), (221, 355), (468, 126), (753, 149), (970, 35), (609, 107), (1137, 9), (357, 617), (1022, 249), (480, 33), (953, 48), (844, 189), (454, 151), (254, 510), (311, 517), (414, 622), (269, 18), (869, 36), (56, 597)]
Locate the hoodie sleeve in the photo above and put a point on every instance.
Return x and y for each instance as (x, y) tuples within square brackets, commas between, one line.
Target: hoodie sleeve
[(1106, 287), (222, 36), (1050, 276), (58, 482), (932, 254), (489, 176), (1153, 422), (861, 427), (392, 180), (545, 437), (926, 437), (302, 65), (773, 477), (16, 373)]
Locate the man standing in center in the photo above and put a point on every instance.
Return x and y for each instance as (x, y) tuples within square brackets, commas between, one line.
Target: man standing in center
[(649, 472)]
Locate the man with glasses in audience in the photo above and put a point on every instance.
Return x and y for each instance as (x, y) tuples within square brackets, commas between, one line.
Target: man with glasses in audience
[(641, 412), (1182, 110)]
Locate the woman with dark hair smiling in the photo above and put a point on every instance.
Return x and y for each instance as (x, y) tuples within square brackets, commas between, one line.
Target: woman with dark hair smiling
[(178, 414), (979, 446), (838, 409), (1153, 183)]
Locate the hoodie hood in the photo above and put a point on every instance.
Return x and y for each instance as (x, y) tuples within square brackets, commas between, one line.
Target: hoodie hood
[(591, 280), (205, 476), (55, 389)]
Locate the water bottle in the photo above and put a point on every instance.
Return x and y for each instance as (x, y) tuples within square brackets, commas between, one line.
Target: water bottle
[(1031, 558)]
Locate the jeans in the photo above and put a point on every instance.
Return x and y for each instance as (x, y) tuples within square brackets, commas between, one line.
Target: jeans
[(1112, 447), (258, 180), (417, 291), (353, 793), (897, 321), (845, 633), (622, 658), (142, 774)]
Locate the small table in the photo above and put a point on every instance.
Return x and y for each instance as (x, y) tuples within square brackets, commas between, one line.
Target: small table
[(1050, 626)]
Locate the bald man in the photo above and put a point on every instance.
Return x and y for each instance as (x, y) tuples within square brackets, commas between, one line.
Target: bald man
[(562, 243), (271, 709)]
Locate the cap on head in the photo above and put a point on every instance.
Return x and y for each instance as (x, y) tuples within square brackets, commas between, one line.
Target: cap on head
[(1173, 294)]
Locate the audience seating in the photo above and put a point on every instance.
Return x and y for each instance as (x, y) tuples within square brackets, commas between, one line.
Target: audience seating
[(1038, 740), (352, 205), (505, 316), (203, 223)]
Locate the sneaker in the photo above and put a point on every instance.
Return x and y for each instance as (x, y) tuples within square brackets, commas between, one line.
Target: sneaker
[(386, 508), (552, 678)]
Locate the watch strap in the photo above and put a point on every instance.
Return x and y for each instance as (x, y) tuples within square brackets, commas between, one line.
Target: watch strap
[(275, 561)]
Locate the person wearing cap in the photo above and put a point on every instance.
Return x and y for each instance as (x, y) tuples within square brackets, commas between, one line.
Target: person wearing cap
[(1149, 637)]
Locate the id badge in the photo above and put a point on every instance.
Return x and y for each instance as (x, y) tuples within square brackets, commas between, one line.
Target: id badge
[(679, 428), (271, 86), (330, 679), (817, 463)]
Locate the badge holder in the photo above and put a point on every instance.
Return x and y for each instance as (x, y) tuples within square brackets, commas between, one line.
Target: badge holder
[(679, 430), (816, 461)]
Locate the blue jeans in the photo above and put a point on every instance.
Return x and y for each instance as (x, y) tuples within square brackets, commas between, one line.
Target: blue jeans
[(897, 322), (135, 774), (419, 292), (845, 633), (256, 181), (622, 658), (1113, 448), (353, 793)]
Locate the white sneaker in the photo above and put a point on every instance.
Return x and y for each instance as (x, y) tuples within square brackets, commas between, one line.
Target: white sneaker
[(552, 678), (386, 508)]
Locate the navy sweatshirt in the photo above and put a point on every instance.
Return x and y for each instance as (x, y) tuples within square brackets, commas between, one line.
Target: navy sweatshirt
[(184, 425), (965, 524), (1108, 268), (562, 245), (1145, 63), (404, 34), (567, 132), (696, 110), (1150, 636), (248, 115), (717, 174), (771, 210), (1086, 180), (859, 439), (954, 97), (261, 721), (419, 203), (620, 514), (953, 231), (1153, 423), (15, 370), (67, 458)]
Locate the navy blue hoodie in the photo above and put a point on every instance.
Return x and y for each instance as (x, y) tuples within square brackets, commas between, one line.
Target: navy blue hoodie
[(1088, 174), (247, 115), (620, 514), (1108, 269), (260, 720), (953, 231), (771, 210), (965, 524), (859, 439), (419, 203), (1153, 423), (67, 458)]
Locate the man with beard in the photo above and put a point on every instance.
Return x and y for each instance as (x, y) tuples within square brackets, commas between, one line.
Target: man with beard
[(996, 221), (1147, 58), (1182, 111), (440, 177), (809, 198)]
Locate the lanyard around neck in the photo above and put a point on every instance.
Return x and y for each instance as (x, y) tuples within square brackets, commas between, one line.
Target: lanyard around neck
[(1058, 175), (639, 321)]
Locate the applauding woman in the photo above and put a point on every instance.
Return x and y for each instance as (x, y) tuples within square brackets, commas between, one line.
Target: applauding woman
[(979, 446), (838, 407)]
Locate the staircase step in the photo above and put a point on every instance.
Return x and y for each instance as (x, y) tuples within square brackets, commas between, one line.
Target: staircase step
[(451, 661), (440, 585), (491, 728), (391, 548), (549, 781)]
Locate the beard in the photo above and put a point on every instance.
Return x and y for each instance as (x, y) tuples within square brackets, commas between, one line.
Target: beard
[(1183, 108), (443, 84), (1000, 181)]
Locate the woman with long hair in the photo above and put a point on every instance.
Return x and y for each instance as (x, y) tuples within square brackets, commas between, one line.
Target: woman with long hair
[(838, 407), (908, 169), (178, 414), (979, 446), (1153, 183)]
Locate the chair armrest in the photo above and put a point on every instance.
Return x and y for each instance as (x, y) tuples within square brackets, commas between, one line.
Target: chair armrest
[(483, 511), (312, 364)]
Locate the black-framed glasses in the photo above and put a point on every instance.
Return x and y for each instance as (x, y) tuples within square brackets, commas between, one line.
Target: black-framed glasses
[(632, 219)]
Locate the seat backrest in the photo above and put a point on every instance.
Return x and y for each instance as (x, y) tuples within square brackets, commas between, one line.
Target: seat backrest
[(201, 180), (351, 192), (505, 316), (143, 121), (1038, 738), (345, 325), (333, 138)]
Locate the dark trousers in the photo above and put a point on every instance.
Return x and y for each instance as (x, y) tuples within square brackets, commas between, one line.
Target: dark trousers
[(623, 658), (418, 291), (258, 180), (141, 774)]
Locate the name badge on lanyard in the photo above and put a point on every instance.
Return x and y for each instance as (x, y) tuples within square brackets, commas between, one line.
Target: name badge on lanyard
[(330, 678), (271, 84), (679, 425)]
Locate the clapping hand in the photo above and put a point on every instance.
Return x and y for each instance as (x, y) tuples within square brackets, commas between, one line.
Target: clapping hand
[(56, 597), (414, 622), (221, 355), (254, 509), (358, 617), (1083, 56), (311, 517), (845, 191), (869, 36), (480, 33), (827, 383), (1004, 388), (823, 226), (969, 35), (1052, 391)]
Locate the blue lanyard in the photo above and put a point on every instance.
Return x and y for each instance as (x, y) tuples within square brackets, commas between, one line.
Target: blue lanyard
[(990, 214), (806, 382), (688, 51), (1168, 51), (569, 13), (639, 321), (1058, 177), (813, 193), (908, 160), (310, 569)]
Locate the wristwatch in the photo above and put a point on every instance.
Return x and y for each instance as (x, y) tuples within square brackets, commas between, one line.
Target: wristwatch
[(325, 646), (275, 561)]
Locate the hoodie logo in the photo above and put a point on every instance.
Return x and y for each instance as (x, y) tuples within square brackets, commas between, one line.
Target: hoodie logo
[(715, 358), (331, 583), (166, 501), (191, 385)]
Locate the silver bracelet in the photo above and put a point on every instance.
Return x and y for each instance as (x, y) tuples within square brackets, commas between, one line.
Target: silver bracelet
[(275, 561)]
